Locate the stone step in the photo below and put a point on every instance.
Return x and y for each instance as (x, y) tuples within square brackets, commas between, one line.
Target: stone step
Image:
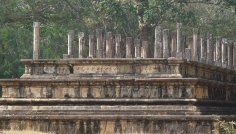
[(120, 116), (37, 113), (116, 108), (81, 101)]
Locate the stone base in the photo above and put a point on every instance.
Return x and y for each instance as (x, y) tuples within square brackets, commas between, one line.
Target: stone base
[(229, 67), (90, 56), (111, 126), (218, 63), (66, 56), (152, 116), (179, 55), (224, 64), (141, 95), (203, 60)]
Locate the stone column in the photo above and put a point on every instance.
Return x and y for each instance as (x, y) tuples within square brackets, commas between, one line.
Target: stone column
[(210, 50), (224, 59), (28, 69), (166, 49), (81, 44), (230, 55), (91, 46), (109, 48), (214, 54), (179, 53), (216, 127), (99, 43), (104, 48), (173, 44), (118, 41), (70, 42), (218, 52), (36, 50), (144, 53), (188, 53), (190, 45), (129, 43), (137, 44), (184, 41), (203, 48), (234, 56), (195, 44), (158, 46)]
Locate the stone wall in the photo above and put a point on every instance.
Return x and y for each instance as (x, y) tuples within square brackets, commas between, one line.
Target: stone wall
[(111, 126), (146, 89)]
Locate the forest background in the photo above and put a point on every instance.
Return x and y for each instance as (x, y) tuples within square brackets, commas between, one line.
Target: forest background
[(130, 18)]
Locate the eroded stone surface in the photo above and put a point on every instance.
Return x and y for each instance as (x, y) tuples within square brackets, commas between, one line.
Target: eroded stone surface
[(110, 126), (118, 96)]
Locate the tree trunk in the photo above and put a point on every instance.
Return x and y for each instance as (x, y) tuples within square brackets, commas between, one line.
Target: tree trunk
[(143, 28)]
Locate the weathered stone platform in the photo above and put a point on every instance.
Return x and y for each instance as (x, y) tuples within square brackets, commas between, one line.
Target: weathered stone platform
[(165, 94), (118, 96)]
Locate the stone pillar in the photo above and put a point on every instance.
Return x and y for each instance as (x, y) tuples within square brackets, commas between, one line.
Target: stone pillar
[(218, 52), (190, 45), (70, 42), (195, 44), (144, 53), (166, 48), (234, 56), (104, 48), (28, 69), (118, 41), (210, 50), (184, 41), (91, 46), (188, 53), (81, 44), (158, 46), (216, 127), (179, 53), (99, 43), (36, 50), (129, 43), (224, 59), (230, 55), (137, 44), (203, 48), (109, 48), (173, 44)]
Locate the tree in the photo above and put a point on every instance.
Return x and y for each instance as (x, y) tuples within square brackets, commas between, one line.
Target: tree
[(134, 18)]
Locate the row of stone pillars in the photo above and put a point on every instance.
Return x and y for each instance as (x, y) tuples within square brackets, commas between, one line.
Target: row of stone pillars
[(167, 44), (100, 47), (202, 49)]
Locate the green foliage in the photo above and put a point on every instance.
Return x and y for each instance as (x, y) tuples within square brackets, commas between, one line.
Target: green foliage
[(13, 48), (126, 17), (52, 36), (228, 127)]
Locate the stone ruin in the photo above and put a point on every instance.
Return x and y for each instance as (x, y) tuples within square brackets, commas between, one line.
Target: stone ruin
[(187, 86)]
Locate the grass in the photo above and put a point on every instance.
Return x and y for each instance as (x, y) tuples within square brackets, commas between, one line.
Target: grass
[(21, 132)]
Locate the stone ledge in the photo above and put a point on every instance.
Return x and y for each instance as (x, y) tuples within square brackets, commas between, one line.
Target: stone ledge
[(128, 108), (69, 79), (94, 112), (126, 117), (96, 82), (102, 60), (87, 61), (80, 101), (123, 68)]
